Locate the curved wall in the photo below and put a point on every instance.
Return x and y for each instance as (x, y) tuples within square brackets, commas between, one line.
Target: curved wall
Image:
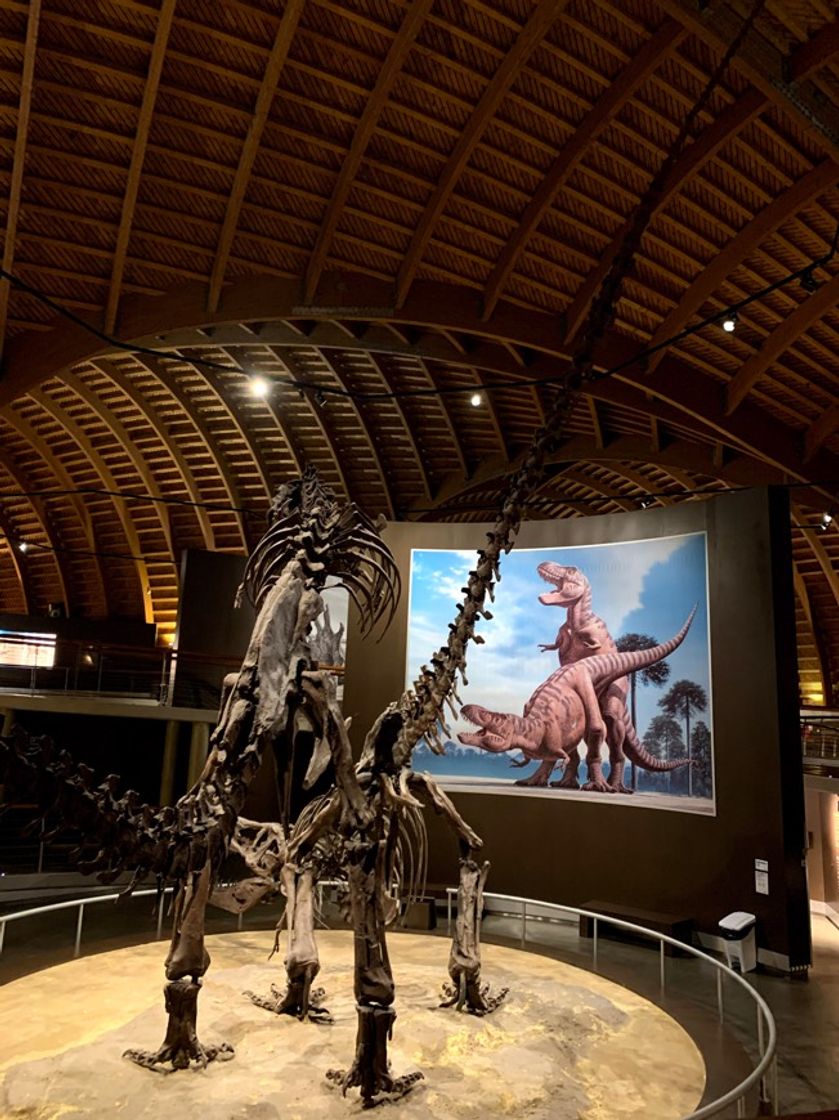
[(702, 867)]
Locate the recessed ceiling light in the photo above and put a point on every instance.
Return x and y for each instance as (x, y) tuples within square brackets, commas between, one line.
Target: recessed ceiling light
[(729, 323), (476, 399), (259, 386), (23, 546)]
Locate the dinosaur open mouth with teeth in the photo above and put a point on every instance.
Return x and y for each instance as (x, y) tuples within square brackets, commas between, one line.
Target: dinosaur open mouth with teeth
[(485, 737)]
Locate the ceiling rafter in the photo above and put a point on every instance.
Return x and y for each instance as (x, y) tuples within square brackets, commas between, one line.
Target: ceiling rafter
[(574, 474), (322, 421), (599, 440), (786, 334), (126, 440), (19, 159), (59, 472), (267, 90), (639, 480), (214, 382), (18, 562), (818, 180), (817, 548), (18, 476), (389, 72), (110, 483), (448, 420), (703, 149), (820, 431), (369, 435), (815, 633), (609, 104), (767, 68), (138, 155), (541, 18), (155, 421), (381, 370), (194, 414), (815, 53)]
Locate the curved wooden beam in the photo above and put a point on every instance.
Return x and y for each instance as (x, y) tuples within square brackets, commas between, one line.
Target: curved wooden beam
[(820, 179), (613, 99), (124, 437), (391, 68), (820, 431), (39, 509), (19, 158), (110, 483), (368, 435), (730, 121), (788, 331), (675, 391), (219, 460), (138, 155), (406, 424), (38, 444), (18, 562), (267, 90), (767, 68), (815, 53), (155, 421), (803, 596), (541, 18), (573, 474)]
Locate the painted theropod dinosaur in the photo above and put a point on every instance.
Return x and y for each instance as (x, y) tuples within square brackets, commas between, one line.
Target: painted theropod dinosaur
[(566, 709), (585, 634)]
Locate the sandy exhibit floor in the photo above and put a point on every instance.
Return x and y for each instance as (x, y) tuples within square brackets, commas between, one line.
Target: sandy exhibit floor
[(567, 1045)]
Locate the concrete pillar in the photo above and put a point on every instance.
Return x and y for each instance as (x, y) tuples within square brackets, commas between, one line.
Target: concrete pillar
[(7, 718), (167, 769), (199, 743)]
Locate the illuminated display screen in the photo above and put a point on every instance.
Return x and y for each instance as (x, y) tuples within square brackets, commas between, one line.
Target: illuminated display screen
[(27, 650)]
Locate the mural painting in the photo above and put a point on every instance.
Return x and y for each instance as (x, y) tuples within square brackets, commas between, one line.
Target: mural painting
[(593, 679)]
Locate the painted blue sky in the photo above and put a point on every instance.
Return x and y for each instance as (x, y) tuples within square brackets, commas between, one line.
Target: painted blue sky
[(647, 586)]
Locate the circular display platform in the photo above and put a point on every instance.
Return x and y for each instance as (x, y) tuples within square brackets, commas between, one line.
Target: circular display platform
[(566, 1045)]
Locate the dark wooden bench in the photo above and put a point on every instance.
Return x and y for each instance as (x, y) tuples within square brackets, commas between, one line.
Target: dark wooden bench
[(674, 925)]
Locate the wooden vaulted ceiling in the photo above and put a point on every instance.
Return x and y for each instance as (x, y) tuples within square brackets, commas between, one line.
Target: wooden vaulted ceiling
[(385, 196)]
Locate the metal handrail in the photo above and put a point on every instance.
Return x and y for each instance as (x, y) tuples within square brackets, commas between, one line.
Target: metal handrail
[(766, 1042), (765, 1022)]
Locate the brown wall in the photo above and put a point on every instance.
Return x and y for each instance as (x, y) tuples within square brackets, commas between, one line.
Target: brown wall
[(572, 851)]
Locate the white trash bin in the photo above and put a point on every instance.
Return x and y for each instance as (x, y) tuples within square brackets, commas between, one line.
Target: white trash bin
[(738, 932)]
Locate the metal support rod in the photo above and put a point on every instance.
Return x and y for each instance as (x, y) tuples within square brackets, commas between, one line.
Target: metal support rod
[(523, 923), (241, 916), (160, 906), (594, 946), (661, 976), (776, 1104), (720, 1006), (77, 948), (41, 847), (741, 1107), (2, 935)]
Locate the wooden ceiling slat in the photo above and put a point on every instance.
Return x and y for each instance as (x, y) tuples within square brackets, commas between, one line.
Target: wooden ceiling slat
[(19, 159), (609, 104), (376, 102), (138, 155), (809, 311), (267, 91), (541, 18), (822, 177)]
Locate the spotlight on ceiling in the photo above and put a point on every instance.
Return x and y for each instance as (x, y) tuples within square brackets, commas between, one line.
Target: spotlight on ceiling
[(808, 281), (476, 399), (259, 386), (729, 323), (826, 522), (23, 546), (645, 503)]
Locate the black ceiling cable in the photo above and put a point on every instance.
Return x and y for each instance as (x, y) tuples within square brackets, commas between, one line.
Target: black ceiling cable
[(320, 391)]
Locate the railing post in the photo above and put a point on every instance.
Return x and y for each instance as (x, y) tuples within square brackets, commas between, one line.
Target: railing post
[(523, 923), (774, 1075), (160, 907), (741, 1107), (2, 934), (77, 948), (661, 975), (41, 847), (594, 945), (720, 1006), (241, 917)]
